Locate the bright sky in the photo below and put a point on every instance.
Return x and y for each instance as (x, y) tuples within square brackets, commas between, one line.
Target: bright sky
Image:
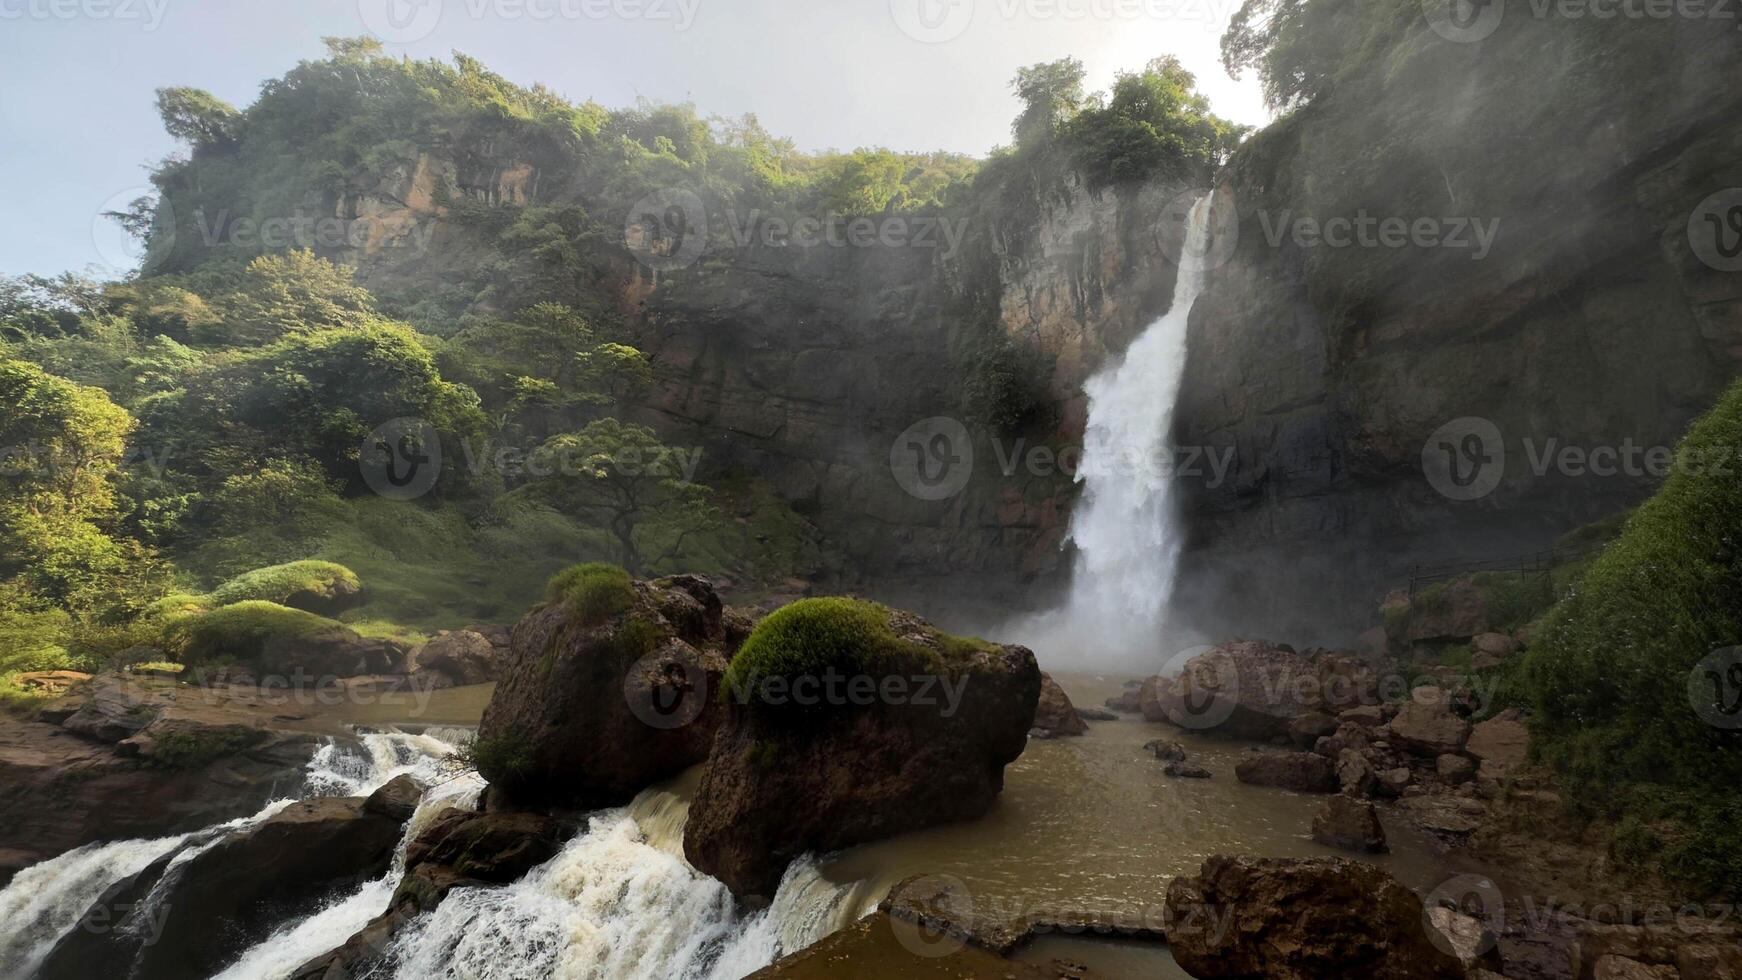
[(77, 76)]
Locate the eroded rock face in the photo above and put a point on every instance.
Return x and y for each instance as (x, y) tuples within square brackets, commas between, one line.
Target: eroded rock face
[(1349, 824), (587, 714), (1300, 920), (1427, 725), (779, 784), (1054, 714)]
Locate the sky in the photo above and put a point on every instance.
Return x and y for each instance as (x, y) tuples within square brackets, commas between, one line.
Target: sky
[(78, 131)]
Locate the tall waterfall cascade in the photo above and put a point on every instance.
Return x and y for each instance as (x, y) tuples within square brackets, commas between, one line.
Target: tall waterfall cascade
[(1125, 526)]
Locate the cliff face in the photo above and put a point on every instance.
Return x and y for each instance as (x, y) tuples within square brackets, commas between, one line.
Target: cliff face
[(1589, 323)]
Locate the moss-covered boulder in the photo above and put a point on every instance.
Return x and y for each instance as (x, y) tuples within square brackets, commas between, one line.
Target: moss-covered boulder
[(322, 587), (607, 687), (848, 722), (276, 642)]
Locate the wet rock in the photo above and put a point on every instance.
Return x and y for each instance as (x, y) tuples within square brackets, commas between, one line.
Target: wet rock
[(782, 782), (1307, 729), (1365, 716), (1300, 920), (1464, 936), (1185, 770), (1126, 702), (1355, 775), (1054, 714), (398, 799), (1392, 782), (1455, 769), (1165, 750), (1350, 824), (1426, 724), (1490, 650), (115, 709), (1248, 689), (462, 656), (1096, 714), (1453, 816), (589, 711), (498, 847), (1709, 962), (1501, 744), (1303, 772), (1621, 968)]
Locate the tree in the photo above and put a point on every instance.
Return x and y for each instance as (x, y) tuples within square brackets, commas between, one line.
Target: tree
[(1296, 46), (197, 117), (624, 479), (295, 293), (1154, 123), (1051, 93)]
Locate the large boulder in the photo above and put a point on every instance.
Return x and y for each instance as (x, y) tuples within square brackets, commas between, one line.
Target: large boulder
[(496, 846), (1349, 824), (1247, 689), (281, 645), (1303, 772), (319, 587), (197, 911), (610, 685), (1054, 714), (1501, 744), (1300, 920), (1427, 726), (462, 656), (914, 730)]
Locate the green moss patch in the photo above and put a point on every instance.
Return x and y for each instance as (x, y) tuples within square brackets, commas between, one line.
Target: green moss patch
[(595, 591), (278, 583), (240, 631)]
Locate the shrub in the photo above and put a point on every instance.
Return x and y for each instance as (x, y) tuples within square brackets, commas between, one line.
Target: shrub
[(595, 591), (1609, 674), (504, 760), (278, 583), (240, 631)]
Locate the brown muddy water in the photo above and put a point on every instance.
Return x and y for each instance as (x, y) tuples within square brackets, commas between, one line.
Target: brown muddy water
[(1085, 825)]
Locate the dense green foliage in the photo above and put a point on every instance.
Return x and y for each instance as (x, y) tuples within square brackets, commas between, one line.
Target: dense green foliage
[(594, 591), (1614, 673), (1302, 48), (812, 636), (242, 631)]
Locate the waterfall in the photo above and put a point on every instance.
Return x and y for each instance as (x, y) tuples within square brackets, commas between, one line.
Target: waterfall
[(1124, 526), (46, 901), (621, 901)]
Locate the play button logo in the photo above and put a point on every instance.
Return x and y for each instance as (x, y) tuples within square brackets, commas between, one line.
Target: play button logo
[(932, 21)]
